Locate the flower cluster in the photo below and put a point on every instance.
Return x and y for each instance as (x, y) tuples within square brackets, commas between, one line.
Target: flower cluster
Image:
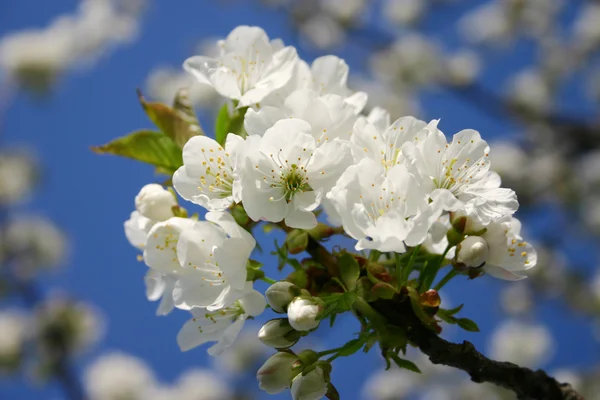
[(298, 143)]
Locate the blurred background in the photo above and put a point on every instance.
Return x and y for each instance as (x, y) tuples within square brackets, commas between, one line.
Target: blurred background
[(74, 320)]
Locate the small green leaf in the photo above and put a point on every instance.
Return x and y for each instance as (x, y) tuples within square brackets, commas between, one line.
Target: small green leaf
[(428, 273), (229, 122), (222, 124), (179, 123), (346, 301), (454, 310), (406, 364), (468, 325), (146, 146), (349, 270)]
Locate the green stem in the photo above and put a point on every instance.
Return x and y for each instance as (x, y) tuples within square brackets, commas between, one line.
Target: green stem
[(445, 279), (268, 280), (374, 255), (370, 313), (327, 352), (403, 273)]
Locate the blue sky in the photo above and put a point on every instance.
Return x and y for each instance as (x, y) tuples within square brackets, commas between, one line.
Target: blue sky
[(90, 196)]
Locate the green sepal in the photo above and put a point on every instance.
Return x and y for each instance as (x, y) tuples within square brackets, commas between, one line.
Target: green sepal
[(349, 270)]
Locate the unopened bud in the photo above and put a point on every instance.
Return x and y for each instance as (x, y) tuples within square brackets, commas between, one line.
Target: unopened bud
[(430, 298), (312, 386), (472, 252), (155, 202), (278, 333), (303, 313), (277, 372), (279, 295), (297, 241)]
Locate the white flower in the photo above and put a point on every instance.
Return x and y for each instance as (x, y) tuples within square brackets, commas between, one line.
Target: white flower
[(137, 228), (160, 252), (326, 75), (279, 296), (201, 384), (383, 209), (457, 175), (312, 386), (244, 355), (213, 255), (155, 202), (303, 313), (222, 326), (526, 344), (277, 372), (248, 68), (329, 115), (116, 376), (208, 174), (160, 286), (286, 176), (384, 144), (505, 253)]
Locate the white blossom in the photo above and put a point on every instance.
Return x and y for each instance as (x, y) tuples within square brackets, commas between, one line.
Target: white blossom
[(155, 202), (116, 376), (458, 175), (329, 115), (248, 68), (213, 255), (244, 355), (137, 228), (160, 286), (209, 172), (382, 208), (223, 325), (286, 176), (507, 255)]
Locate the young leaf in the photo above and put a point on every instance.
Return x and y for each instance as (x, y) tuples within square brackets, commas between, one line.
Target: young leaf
[(179, 123), (229, 122), (146, 146), (468, 325), (406, 364), (427, 276), (351, 347), (349, 270)]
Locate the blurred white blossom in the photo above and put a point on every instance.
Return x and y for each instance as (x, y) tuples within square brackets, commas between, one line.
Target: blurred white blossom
[(202, 384), (33, 243), (344, 10), (15, 331), (118, 376), (18, 172), (462, 68), (392, 384), (323, 31), (528, 89), (525, 344), (403, 12), (163, 83)]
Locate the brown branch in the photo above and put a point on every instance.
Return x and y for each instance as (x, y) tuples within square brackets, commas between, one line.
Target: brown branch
[(524, 382)]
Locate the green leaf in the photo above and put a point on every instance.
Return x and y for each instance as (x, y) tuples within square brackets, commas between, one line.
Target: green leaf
[(454, 310), (229, 122), (146, 146), (468, 325), (406, 364), (346, 301), (349, 270), (179, 123)]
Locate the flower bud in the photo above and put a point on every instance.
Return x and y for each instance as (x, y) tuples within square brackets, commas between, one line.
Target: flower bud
[(472, 252), (278, 333), (279, 296), (277, 372), (154, 202), (312, 386), (303, 312)]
